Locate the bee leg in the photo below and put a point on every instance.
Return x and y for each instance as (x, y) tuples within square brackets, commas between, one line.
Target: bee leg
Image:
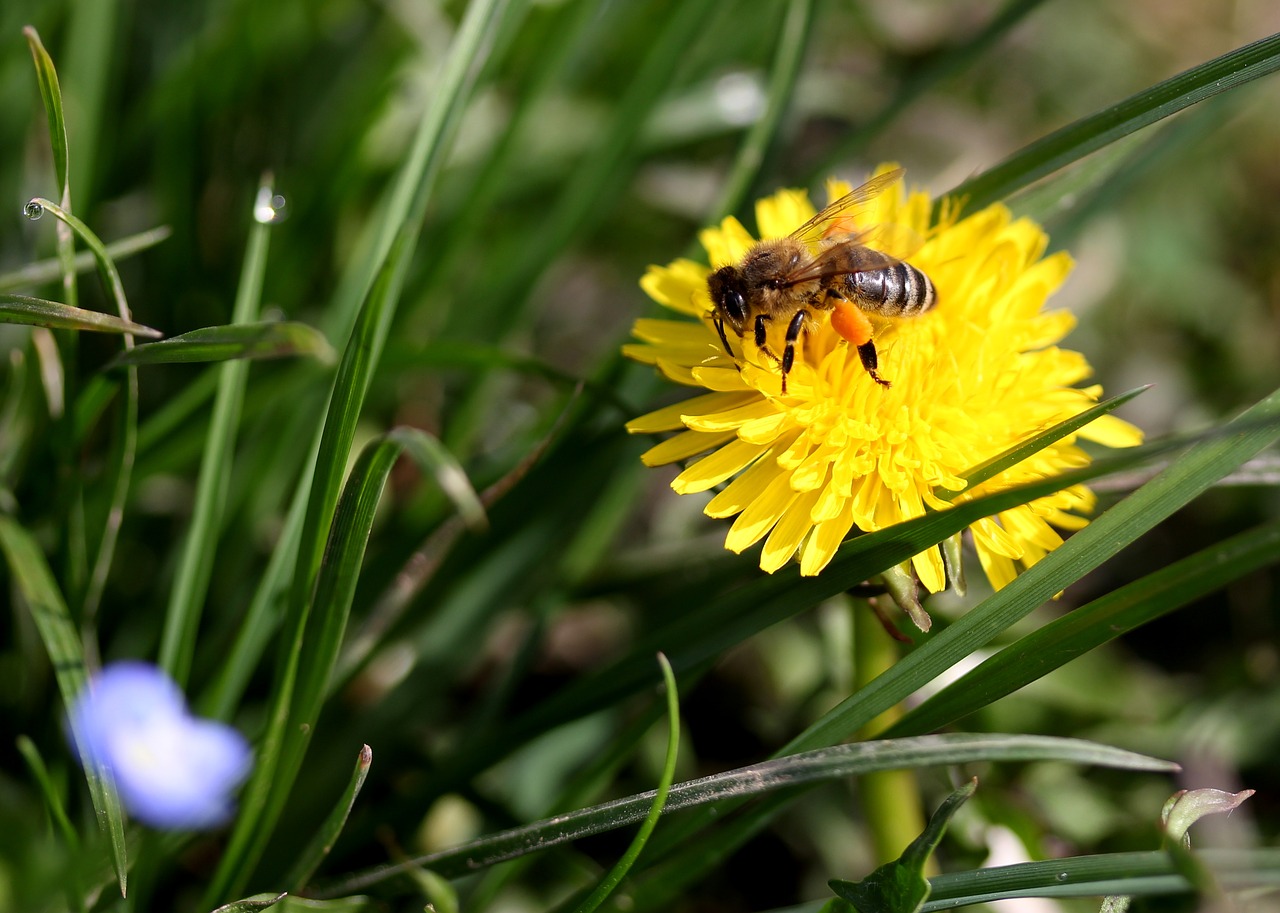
[(848, 320), (723, 338), (794, 329)]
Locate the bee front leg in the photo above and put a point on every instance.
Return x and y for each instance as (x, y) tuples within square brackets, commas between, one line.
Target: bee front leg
[(723, 338)]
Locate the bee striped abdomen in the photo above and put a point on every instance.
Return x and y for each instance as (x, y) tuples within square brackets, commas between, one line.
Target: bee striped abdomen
[(899, 290)]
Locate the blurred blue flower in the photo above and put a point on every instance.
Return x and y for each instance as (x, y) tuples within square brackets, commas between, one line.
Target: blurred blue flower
[(171, 769)]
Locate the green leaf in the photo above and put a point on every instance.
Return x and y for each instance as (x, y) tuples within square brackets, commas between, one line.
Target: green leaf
[(623, 865), (250, 904), (1064, 146), (55, 315), (51, 95), (327, 834), (1088, 627), (1136, 874), (42, 271), (434, 458), (31, 575), (200, 545), (769, 776), (900, 886), (272, 339)]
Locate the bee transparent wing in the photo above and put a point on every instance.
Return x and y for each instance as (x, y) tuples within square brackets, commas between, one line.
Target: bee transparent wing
[(841, 215), (878, 247)]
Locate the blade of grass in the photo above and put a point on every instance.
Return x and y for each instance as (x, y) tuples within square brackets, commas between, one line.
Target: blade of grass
[(401, 224), (126, 439), (242, 342), (619, 871), (1092, 625), (793, 39), (1076, 140), (55, 315), (758, 779), (30, 573), (1133, 874), (42, 271), (316, 852), (948, 63), (195, 563)]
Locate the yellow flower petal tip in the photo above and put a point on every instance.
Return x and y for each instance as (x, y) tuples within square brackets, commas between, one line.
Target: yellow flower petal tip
[(803, 464)]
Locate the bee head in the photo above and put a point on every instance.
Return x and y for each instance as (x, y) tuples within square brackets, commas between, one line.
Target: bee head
[(728, 295)]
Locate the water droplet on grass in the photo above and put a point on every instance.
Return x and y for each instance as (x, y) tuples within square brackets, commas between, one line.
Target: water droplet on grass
[(33, 210)]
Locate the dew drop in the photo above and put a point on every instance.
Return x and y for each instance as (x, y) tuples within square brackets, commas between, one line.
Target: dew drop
[(1062, 876), (33, 210), (269, 208)]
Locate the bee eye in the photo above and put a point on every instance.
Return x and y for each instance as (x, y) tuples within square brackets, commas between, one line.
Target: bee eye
[(734, 304)]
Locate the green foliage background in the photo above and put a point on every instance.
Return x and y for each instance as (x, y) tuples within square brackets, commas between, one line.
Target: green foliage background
[(504, 674)]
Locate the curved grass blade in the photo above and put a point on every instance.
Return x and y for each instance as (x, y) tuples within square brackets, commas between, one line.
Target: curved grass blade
[(251, 904), (52, 800), (126, 443), (1076, 140), (51, 95), (316, 851), (42, 271), (270, 339), (1135, 874), (396, 240), (1092, 625), (434, 458), (623, 865), (40, 312), (195, 563), (758, 779), (33, 579), (1034, 444)]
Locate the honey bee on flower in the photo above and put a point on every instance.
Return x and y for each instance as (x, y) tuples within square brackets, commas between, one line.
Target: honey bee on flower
[(802, 465)]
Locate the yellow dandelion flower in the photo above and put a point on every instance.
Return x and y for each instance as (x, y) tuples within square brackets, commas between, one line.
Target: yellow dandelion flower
[(971, 378)]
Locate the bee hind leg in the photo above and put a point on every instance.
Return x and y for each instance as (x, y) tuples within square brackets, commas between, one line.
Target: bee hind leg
[(849, 321)]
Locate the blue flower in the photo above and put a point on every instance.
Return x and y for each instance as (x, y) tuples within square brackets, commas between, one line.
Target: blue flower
[(171, 769)]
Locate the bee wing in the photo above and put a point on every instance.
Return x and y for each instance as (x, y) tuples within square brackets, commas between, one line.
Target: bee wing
[(877, 247), (842, 214)]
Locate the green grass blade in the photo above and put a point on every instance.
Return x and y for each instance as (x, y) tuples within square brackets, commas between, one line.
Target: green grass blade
[(33, 579), (250, 341), (1134, 874), (52, 799), (793, 39), (1034, 444), (126, 441), (327, 834), (623, 865), (51, 95), (195, 564), (1075, 141), (769, 776), (42, 271), (1092, 625), (949, 63), (40, 312)]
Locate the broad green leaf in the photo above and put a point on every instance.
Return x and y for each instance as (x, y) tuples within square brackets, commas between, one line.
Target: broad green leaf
[(42, 313), (1064, 146), (33, 579), (769, 776), (900, 886), (273, 339)]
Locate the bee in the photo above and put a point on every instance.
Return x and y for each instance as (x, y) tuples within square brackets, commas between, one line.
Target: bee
[(823, 266)]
